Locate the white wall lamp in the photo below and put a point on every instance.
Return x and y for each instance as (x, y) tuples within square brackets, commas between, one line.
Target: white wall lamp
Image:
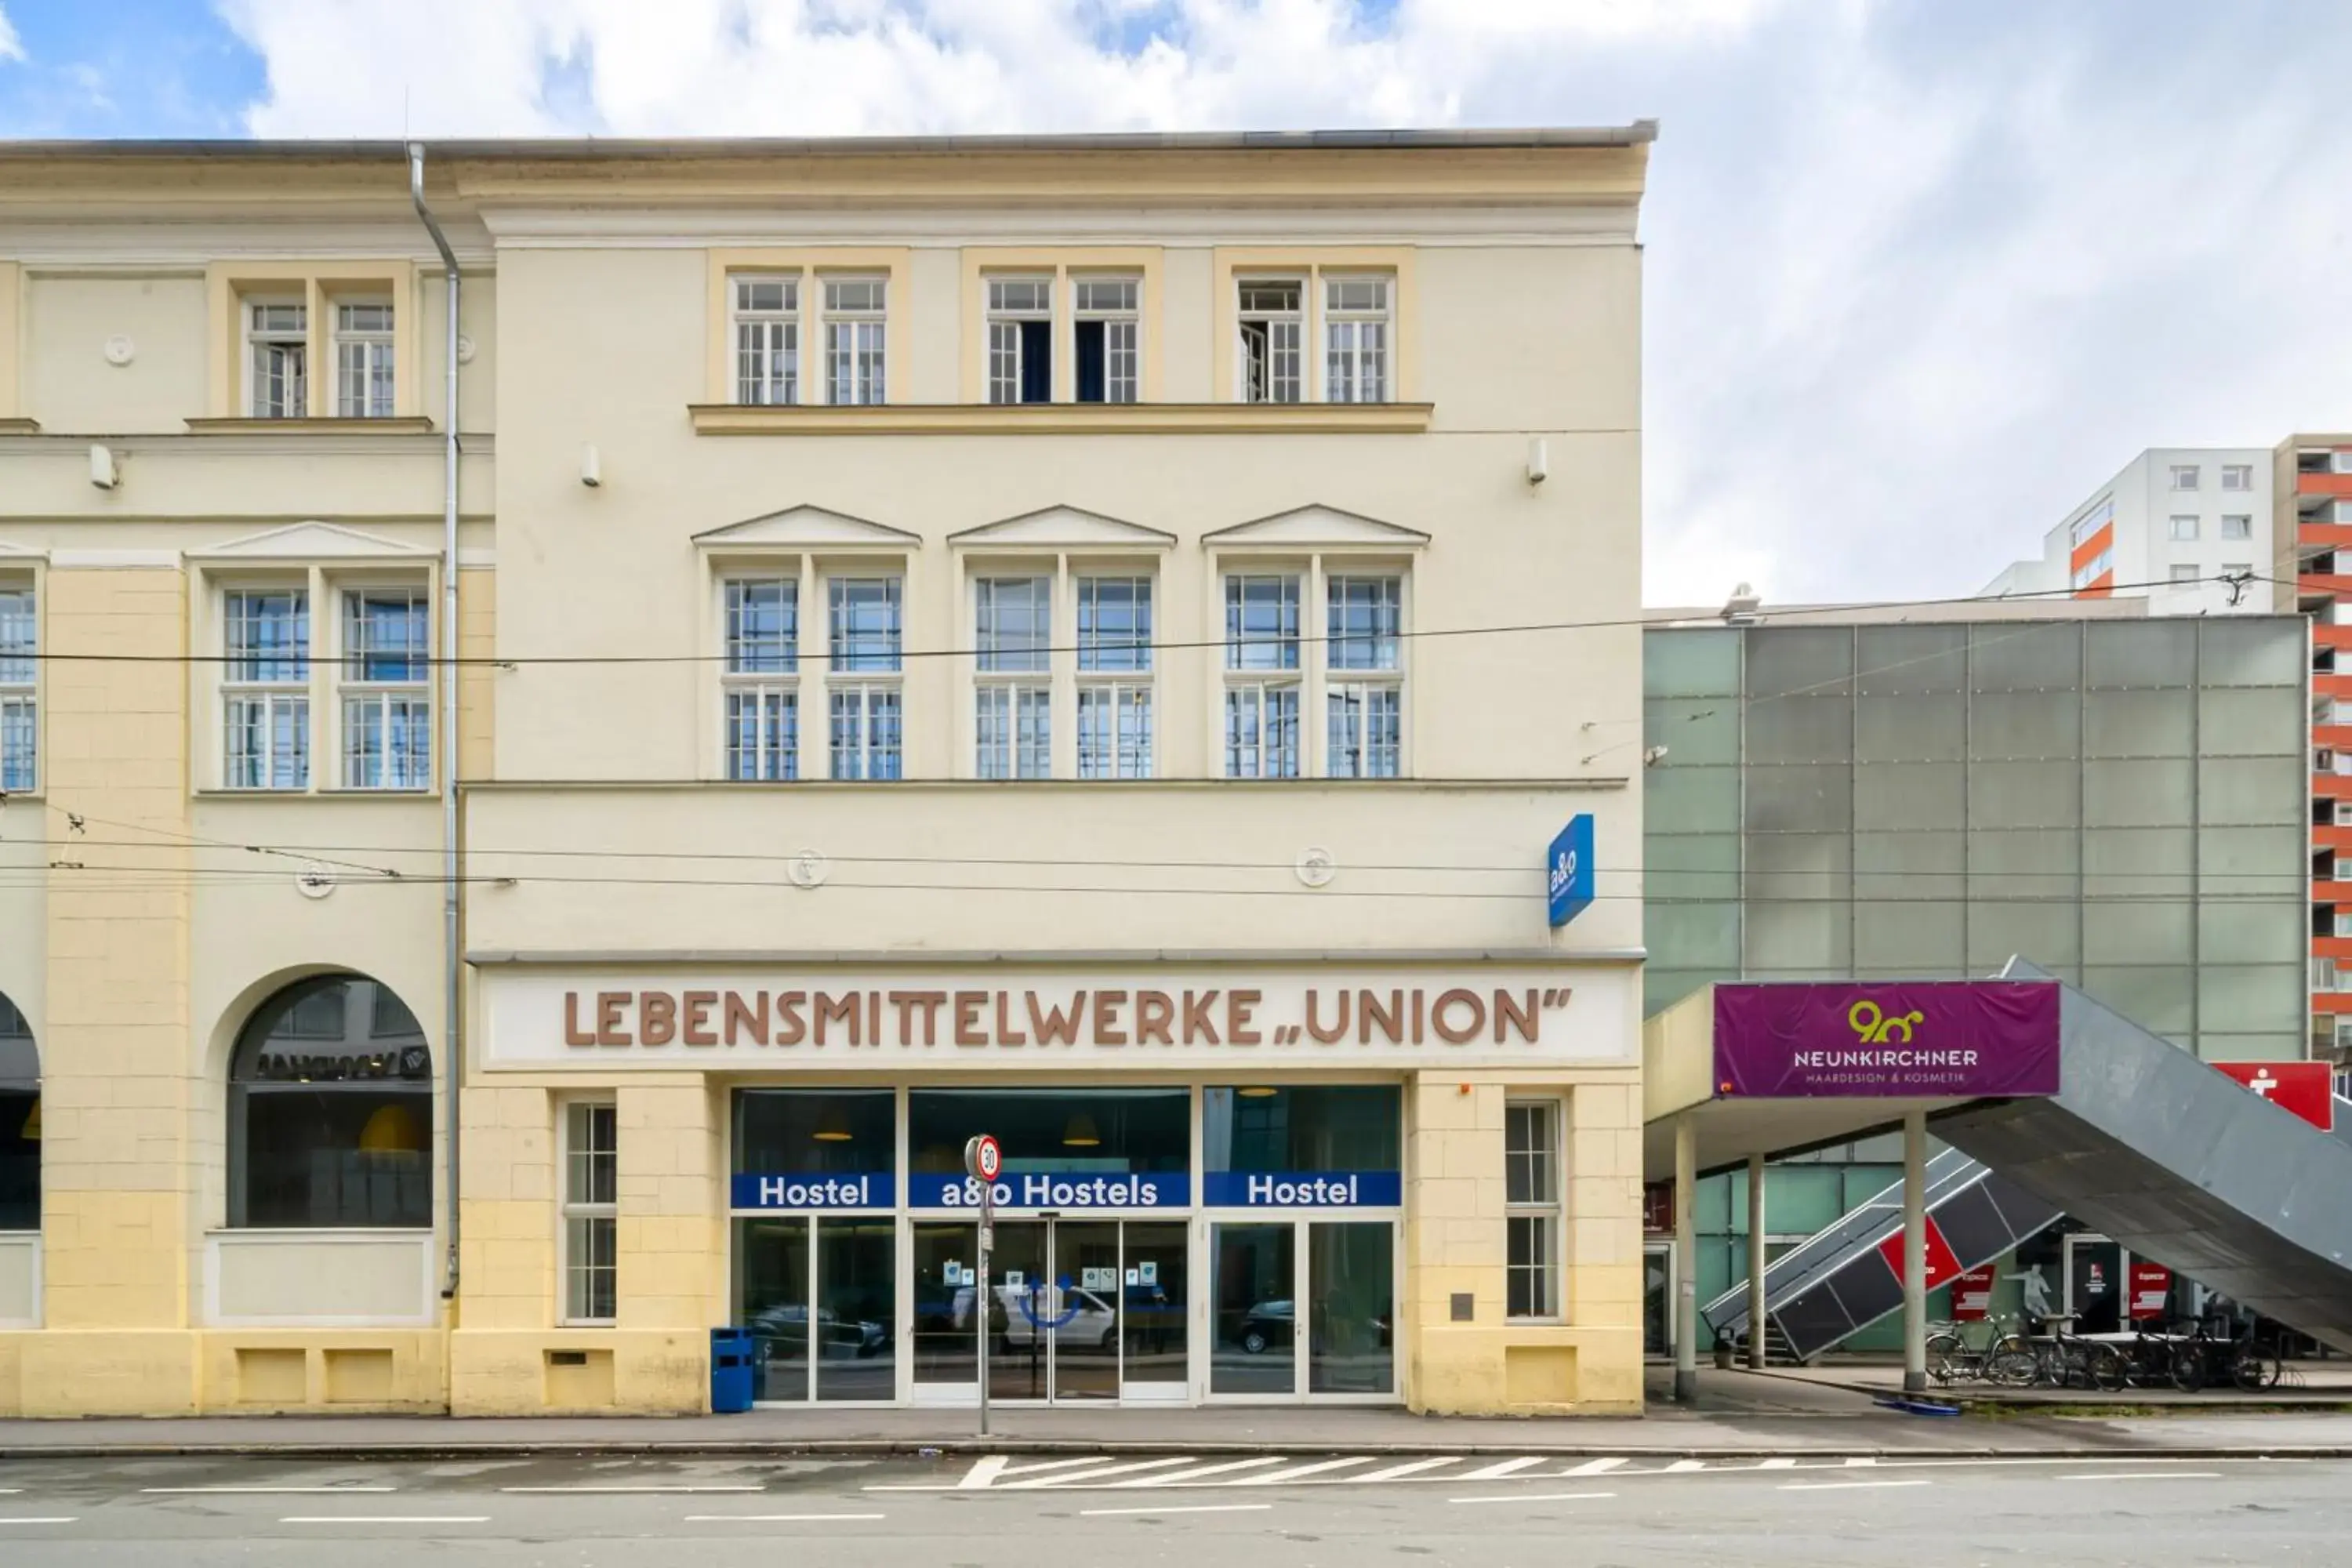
[(102, 471), (592, 466)]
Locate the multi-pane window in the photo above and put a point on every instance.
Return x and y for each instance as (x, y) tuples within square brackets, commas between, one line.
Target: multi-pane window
[(19, 697), (1014, 730), (387, 705), (2185, 476), (364, 366), (760, 677), (2096, 568), (767, 312), (1356, 338), (2237, 525), (1020, 340), (862, 690), (1261, 683), (1365, 697), (1531, 1203), (2184, 527), (591, 1211), (2183, 572), (1273, 328), (2237, 476), (277, 346), (266, 688), (856, 311), (1114, 678), (1108, 337)]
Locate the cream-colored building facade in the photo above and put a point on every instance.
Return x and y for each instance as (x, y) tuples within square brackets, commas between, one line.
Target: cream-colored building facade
[(1087, 640)]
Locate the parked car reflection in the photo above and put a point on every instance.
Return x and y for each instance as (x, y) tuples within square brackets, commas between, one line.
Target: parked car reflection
[(836, 1336)]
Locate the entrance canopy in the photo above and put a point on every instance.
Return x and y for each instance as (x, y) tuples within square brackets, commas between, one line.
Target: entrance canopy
[(1779, 1069)]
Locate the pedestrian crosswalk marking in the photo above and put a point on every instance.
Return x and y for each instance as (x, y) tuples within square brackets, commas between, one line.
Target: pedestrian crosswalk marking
[(1108, 1472)]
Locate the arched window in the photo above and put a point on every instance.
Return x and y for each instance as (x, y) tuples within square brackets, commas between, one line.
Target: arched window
[(20, 1122), (330, 1110)]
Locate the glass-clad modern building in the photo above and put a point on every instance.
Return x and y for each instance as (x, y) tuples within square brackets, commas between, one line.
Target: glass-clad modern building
[(2121, 800)]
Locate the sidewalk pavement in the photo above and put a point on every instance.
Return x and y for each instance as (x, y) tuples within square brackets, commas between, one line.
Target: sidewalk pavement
[(1738, 1414), (2308, 1386)]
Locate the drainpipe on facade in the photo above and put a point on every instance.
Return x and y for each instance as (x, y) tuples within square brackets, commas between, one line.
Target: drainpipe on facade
[(449, 991)]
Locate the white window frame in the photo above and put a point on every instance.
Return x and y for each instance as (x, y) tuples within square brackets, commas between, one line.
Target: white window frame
[(2183, 574), (279, 695), (1266, 687), (2184, 528), (365, 369), (1012, 686), (1347, 683), (2241, 570), (261, 339), (2187, 477), (856, 359), (771, 689), (2096, 568), (1543, 1207), (20, 699), (1360, 340), (2238, 525), (2344, 814), (864, 686), (589, 1210), (1117, 691), (2092, 519), (1122, 334), (353, 691), (766, 368), (1015, 299), (2237, 476), (1285, 335)]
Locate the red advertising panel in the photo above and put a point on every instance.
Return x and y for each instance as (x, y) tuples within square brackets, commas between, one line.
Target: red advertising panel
[(1971, 1293), (2308, 1088), (2151, 1283), (1941, 1263)]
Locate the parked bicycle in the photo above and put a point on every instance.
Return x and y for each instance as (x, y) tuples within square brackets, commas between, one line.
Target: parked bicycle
[(2154, 1361), (2063, 1359), (2218, 1359), (2002, 1356)]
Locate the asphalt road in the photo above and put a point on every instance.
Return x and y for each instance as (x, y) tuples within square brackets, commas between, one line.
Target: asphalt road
[(1346, 1511)]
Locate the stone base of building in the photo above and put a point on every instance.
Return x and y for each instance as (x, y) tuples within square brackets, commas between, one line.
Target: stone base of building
[(58, 1373)]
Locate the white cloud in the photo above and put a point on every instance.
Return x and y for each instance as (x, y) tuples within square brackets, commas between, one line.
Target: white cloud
[(11, 47), (1918, 277)]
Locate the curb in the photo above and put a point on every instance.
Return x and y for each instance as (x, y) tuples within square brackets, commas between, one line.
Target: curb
[(958, 1447)]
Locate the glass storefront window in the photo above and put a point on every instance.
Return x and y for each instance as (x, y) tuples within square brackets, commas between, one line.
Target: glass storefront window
[(1253, 1348), (815, 1148), (1320, 1146), (849, 1334), (1351, 1307), (1136, 1144)]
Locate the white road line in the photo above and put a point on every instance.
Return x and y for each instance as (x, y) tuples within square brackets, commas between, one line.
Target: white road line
[(1777, 1465), (1186, 1477), (991, 1468), (1496, 1471), (1135, 1467), (624, 1490), (776, 1518), (28, 1520), (1845, 1486), (1683, 1467), (1589, 1467), (1283, 1478), (2147, 1475), (1199, 1508), (259, 1492), (1536, 1497), (387, 1518), (1396, 1472)]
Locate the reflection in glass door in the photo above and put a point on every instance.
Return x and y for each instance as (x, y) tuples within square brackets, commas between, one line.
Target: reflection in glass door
[(1086, 1309), (1351, 1306), (1156, 1310), (1020, 1310), (827, 1307), (1252, 1349)]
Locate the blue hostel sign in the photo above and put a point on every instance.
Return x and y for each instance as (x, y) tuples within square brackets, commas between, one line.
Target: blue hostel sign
[(1567, 869), (861, 1190), (1304, 1189)]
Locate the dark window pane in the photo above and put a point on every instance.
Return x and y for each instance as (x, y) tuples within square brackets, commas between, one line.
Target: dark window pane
[(1322, 1128), (816, 1131), (1042, 1129)]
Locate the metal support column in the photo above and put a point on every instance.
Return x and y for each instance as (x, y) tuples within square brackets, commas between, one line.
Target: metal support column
[(1915, 1252), (1755, 1261), (1685, 1259)]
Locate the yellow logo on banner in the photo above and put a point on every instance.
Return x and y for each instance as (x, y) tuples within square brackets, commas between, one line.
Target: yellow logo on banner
[(1876, 1028)]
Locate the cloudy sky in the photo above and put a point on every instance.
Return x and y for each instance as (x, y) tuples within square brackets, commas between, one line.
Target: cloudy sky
[(1921, 273)]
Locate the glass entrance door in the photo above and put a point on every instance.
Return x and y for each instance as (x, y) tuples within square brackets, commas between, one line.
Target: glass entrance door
[(1331, 1281), (1077, 1310)]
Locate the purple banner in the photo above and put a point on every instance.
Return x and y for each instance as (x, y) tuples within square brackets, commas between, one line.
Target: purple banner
[(1908, 1038)]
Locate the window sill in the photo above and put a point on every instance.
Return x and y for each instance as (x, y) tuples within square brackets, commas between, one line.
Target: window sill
[(403, 425), (411, 795), (1060, 419), (13, 427)]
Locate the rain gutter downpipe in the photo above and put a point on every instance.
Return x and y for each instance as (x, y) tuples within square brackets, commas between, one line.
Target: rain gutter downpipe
[(451, 997)]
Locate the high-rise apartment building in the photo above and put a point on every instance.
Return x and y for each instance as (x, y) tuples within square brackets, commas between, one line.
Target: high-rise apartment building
[(938, 651), (2174, 524), (2313, 485)]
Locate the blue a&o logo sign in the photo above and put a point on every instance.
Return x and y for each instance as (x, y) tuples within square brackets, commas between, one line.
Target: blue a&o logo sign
[(1567, 869)]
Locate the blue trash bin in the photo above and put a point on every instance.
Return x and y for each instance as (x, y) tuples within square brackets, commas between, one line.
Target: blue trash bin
[(731, 1371)]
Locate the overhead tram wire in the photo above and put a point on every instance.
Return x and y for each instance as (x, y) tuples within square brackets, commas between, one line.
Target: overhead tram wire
[(1755, 617)]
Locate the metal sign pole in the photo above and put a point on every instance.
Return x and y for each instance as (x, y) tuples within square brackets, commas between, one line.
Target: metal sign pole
[(981, 1161)]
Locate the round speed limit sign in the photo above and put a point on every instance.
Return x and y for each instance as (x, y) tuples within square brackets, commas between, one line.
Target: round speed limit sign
[(982, 1158)]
